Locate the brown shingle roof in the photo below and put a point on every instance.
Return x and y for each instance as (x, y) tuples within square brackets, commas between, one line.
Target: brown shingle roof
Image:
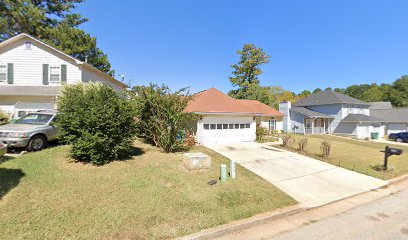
[(214, 101)]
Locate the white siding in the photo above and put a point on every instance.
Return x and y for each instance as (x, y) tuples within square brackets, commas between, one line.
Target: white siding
[(90, 76), (225, 135), (28, 64), (11, 104)]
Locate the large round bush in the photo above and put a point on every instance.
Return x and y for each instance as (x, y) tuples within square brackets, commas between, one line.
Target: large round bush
[(97, 121)]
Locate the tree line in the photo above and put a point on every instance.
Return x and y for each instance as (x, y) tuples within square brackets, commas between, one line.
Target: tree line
[(246, 83)]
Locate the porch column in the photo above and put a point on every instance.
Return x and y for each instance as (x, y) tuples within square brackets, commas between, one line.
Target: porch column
[(313, 125), (324, 125)]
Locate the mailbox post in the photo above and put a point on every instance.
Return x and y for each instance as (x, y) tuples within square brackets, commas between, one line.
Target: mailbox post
[(389, 152)]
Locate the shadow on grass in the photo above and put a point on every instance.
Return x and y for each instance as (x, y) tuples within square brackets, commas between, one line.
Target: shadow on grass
[(6, 158), (9, 179), (133, 152)]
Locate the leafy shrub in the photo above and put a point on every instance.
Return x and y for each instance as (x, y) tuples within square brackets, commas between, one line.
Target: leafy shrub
[(287, 140), (261, 132), (97, 121), (302, 143), (325, 148), (190, 139), (161, 119), (4, 117)]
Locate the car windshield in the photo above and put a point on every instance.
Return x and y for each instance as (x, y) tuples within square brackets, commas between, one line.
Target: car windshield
[(34, 119)]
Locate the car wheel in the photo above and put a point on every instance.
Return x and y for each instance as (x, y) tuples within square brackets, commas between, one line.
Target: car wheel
[(399, 140), (36, 143)]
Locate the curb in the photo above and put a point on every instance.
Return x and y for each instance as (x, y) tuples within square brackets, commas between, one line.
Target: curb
[(397, 179), (244, 223)]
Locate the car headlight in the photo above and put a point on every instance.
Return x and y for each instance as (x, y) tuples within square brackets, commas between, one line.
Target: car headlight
[(17, 134)]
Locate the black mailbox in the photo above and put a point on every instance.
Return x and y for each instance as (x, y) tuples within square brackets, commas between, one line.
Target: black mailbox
[(394, 151), (389, 152)]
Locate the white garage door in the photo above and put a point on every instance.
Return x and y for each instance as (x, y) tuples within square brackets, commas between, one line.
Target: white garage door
[(216, 130)]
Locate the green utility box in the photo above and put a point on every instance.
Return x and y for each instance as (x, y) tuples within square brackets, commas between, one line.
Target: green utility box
[(374, 135)]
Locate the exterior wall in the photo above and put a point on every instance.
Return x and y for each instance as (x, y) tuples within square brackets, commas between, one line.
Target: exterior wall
[(228, 135), (264, 122), (396, 128), (90, 76), (334, 110), (28, 64), (297, 123), (284, 107), (13, 104)]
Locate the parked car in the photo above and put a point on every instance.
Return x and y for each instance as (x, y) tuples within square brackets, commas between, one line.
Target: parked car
[(33, 131), (399, 137)]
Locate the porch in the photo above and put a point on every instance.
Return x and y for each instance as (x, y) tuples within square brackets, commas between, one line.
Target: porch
[(317, 126)]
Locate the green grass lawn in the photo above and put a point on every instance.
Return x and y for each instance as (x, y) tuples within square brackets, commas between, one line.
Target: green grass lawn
[(152, 196), (358, 155)]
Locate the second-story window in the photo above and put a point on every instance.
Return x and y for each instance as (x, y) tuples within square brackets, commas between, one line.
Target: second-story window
[(55, 74), (3, 73)]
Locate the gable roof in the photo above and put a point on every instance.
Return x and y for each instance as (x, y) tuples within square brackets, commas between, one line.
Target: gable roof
[(76, 61), (396, 115), (217, 102), (328, 97), (380, 105), (262, 108), (309, 113), (360, 118)]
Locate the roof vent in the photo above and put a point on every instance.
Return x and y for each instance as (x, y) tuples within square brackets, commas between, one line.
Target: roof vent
[(28, 45)]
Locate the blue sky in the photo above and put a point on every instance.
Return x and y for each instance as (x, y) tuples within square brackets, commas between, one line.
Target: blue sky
[(312, 43)]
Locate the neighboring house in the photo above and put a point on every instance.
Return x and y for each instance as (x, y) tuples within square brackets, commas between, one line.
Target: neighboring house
[(32, 73), (223, 119), (395, 119), (329, 112)]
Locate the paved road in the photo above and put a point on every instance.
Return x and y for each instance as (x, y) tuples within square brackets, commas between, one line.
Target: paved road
[(311, 182), (384, 219)]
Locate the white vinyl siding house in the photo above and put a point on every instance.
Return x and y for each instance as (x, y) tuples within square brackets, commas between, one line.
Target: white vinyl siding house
[(328, 112), (32, 73)]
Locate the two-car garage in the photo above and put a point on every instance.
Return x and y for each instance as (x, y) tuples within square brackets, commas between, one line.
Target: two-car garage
[(225, 129)]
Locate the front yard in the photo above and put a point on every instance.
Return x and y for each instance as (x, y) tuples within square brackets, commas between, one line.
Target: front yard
[(358, 155), (42, 195)]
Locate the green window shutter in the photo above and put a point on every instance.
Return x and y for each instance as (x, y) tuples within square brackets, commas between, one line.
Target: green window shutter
[(63, 74), (45, 74), (10, 73)]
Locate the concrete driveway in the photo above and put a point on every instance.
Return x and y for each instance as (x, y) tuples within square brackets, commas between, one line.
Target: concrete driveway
[(311, 182)]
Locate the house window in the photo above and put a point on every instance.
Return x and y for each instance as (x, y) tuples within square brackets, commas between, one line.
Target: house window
[(272, 125), (248, 125), (231, 126), (225, 126), (55, 74), (219, 126), (3, 73), (212, 126), (206, 126)]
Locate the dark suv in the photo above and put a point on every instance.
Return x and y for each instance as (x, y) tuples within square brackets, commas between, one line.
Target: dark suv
[(399, 137)]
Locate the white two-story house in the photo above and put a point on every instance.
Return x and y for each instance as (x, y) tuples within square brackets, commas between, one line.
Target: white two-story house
[(32, 73), (329, 112)]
